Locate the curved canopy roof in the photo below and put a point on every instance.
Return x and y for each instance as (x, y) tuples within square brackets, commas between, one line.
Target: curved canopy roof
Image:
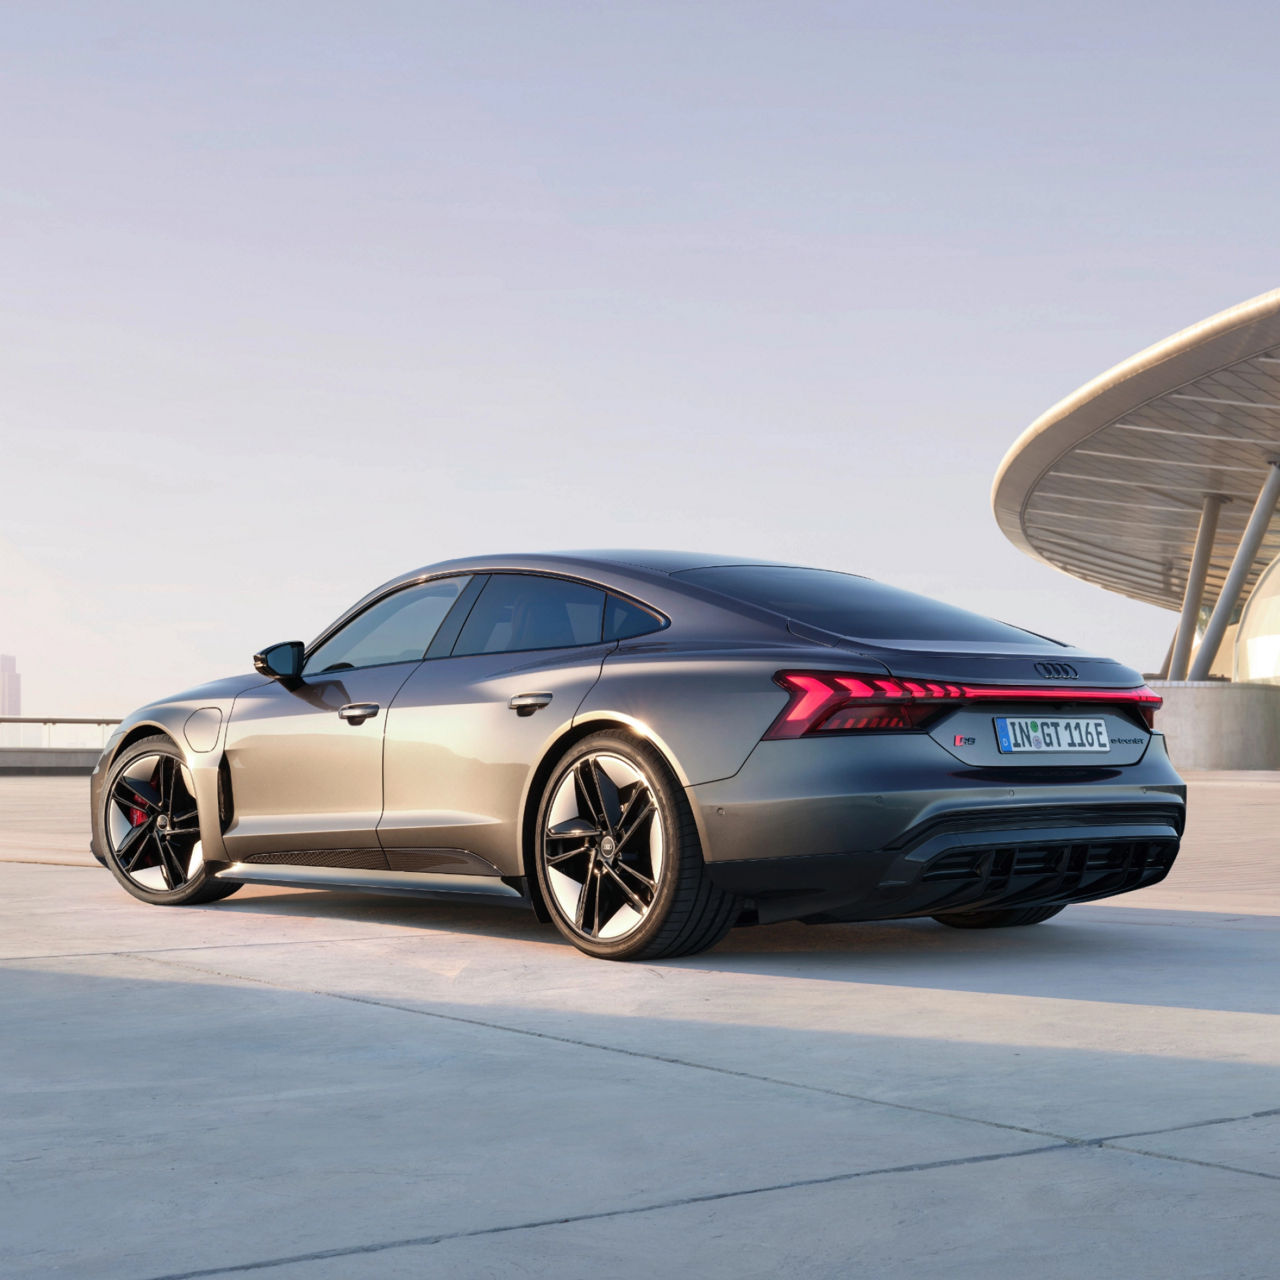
[(1109, 484)]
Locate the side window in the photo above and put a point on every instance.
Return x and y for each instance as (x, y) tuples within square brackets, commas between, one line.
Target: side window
[(518, 611), (398, 628), (623, 620)]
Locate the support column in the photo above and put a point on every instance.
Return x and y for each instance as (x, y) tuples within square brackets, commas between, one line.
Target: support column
[(1163, 673), (1194, 594), (1246, 553)]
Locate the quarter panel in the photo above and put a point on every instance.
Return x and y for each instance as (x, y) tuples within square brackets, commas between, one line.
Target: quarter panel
[(707, 705)]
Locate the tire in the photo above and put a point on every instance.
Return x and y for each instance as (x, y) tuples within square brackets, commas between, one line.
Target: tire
[(1010, 918), (147, 826), (594, 813)]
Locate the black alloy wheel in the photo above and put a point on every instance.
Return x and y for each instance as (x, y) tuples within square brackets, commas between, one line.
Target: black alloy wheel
[(618, 858), (149, 827)]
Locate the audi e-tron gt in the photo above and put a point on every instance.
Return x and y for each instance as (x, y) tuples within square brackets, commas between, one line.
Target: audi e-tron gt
[(647, 748)]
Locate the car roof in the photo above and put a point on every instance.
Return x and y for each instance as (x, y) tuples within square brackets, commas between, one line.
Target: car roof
[(643, 574), (651, 561)]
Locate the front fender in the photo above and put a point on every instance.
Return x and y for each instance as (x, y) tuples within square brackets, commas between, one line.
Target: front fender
[(196, 722)]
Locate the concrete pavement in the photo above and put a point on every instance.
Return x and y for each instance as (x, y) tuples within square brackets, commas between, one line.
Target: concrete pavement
[(303, 1084)]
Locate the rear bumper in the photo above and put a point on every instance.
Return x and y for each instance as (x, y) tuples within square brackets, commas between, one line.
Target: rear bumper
[(892, 826)]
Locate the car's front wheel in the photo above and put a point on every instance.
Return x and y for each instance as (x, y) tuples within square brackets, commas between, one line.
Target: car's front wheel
[(148, 827), (618, 858)]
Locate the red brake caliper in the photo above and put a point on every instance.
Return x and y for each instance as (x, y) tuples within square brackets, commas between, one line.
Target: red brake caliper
[(136, 816)]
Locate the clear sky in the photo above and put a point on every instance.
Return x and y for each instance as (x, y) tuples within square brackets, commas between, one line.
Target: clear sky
[(298, 296)]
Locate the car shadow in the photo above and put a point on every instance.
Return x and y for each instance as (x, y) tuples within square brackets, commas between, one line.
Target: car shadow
[(1181, 959), (405, 911)]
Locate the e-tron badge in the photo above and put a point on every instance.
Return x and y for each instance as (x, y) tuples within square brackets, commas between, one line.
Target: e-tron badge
[(1057, 671)]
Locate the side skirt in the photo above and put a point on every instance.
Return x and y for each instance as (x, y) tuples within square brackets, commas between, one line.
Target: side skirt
[(479, 889)]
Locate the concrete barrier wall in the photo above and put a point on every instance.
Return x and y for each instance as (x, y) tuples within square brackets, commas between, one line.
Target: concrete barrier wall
[(50, 761), (1213, 724)]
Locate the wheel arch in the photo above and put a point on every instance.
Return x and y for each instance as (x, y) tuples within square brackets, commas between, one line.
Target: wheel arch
[(208, 798), (134, 734), (149, 729), (583, 727)]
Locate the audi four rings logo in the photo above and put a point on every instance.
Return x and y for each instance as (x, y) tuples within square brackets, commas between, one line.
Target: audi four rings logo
[(1057, 671)]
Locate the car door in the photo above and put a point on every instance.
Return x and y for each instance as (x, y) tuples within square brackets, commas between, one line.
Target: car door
[(305, 758), (465, 730)]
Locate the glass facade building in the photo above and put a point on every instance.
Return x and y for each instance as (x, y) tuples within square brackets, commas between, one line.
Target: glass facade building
[(1257, 644)]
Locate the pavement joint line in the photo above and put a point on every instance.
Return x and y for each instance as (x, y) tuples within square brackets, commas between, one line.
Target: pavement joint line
[(1215, 919), (710, 1197), (1203, 1164), (51, 862), (1194, 1124), (207, 946)]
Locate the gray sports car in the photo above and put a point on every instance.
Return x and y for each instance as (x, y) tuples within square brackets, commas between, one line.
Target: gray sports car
[(647, 748)]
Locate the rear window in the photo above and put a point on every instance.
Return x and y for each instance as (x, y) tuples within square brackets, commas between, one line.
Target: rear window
[(624, 620), (852, 606)]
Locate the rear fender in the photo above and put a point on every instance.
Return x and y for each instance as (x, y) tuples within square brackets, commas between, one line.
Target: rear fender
[(705, 708)]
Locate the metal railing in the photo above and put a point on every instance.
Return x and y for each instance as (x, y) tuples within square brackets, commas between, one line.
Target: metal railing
[(49, 723)]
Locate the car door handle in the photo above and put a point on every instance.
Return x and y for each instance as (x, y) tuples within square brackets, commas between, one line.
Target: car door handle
[(525, 704), (358, 712)]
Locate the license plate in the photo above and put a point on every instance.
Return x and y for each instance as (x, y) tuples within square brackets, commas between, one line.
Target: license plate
[(1026, 733)]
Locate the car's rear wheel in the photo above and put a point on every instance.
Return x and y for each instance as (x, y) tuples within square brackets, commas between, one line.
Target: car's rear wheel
[(618, 858), (1009, 918), (148, 827)]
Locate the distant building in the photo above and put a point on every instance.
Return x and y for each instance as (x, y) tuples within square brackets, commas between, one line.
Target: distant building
[(10, 686), (1160, 480)]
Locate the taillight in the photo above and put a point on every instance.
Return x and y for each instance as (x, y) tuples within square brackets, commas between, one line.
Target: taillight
[(826, 702)]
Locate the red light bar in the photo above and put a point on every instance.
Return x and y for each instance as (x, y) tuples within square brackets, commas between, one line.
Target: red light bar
[(1142, 696), (827, 702)]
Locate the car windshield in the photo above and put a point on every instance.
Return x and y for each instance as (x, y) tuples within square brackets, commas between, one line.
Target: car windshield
[(852, 606)]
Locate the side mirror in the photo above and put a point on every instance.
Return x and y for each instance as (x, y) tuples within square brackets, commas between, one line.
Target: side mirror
[(280, 661)]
